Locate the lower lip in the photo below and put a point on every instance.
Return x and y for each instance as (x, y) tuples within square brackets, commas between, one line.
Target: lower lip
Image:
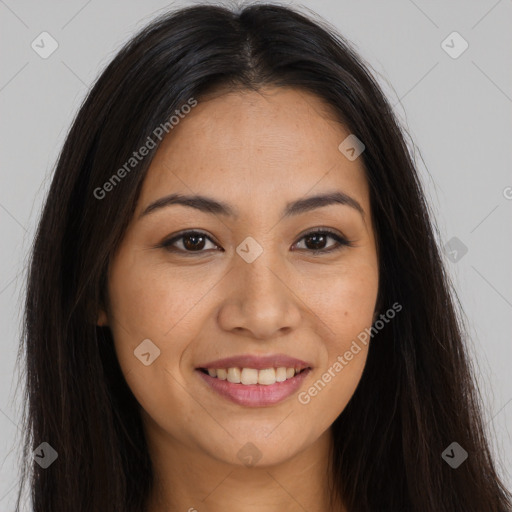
[(255, 395)]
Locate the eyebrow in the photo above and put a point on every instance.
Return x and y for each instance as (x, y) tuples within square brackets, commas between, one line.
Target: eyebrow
[(210, 205)]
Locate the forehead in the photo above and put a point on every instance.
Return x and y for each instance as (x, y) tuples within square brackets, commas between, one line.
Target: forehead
[(249, 147)]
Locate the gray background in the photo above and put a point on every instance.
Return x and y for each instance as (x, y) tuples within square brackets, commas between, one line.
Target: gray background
[(457, 112)]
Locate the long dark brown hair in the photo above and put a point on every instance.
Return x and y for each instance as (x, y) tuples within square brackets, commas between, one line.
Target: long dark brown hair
[(417, 394)]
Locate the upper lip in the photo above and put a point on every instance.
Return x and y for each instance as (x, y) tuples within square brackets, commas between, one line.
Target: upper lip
[(257, 362)]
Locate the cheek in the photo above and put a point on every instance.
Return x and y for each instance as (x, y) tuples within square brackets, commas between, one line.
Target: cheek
[(151, 302), (148, 301), (344, 312), (344, 301), (148, 304)]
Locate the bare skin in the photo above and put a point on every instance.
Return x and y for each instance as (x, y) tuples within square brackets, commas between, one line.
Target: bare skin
[(256, 151)]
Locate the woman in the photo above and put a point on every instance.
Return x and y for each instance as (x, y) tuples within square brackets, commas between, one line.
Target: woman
[(235, 296)]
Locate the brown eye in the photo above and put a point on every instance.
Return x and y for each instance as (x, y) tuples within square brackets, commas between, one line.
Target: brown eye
[(190, 241), (193, 242), (316, 241)]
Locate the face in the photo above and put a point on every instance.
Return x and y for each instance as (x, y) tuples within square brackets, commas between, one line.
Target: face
[(246, 278)]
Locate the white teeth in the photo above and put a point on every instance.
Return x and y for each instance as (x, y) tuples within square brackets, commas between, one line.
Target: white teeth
[(251, 376), (281, 374), (234, 375), (267, 377)]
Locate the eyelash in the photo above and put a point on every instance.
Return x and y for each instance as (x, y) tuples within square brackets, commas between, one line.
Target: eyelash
[(341, 242)]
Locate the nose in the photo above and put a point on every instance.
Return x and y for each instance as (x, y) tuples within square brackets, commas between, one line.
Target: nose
[(261, 302)]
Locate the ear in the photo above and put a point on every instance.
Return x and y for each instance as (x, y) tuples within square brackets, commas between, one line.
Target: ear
[(102, 318)]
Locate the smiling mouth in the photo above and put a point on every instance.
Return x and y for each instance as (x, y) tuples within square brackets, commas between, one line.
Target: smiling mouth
[(252, 376)]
